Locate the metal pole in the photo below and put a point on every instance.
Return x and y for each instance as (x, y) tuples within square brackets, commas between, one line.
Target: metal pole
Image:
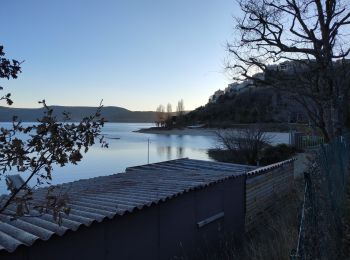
[(148, 151)]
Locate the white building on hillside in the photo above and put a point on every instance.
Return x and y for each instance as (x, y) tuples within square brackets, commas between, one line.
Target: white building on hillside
[(289, 66), (236, 87)]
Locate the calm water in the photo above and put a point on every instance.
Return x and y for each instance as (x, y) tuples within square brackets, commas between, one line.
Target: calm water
[(132, 149)]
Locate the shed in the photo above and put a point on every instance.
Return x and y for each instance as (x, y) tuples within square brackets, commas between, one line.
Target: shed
[(157, 211), (192, 164), (263, 187)]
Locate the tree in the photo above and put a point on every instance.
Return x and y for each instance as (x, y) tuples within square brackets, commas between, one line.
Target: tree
[(310, 38), (8, 69), (180, 109), (160, 116), (169, 110), (46, 143), (169, 115)]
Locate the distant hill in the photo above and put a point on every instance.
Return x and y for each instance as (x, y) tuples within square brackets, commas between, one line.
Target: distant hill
[(111, 114)]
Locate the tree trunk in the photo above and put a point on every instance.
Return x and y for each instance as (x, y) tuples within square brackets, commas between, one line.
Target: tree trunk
[(328, 121)]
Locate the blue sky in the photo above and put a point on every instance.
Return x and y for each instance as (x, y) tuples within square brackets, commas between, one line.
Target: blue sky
[(135, 54)]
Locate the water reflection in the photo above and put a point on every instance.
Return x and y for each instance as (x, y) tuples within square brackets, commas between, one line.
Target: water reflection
[(168, 152), (180, 152), (132, 149), (164, 151)]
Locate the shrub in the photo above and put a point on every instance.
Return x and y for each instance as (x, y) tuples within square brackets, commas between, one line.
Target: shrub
[(273, 154)]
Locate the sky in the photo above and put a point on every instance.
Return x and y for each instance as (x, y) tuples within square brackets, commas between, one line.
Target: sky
[(134, 54)]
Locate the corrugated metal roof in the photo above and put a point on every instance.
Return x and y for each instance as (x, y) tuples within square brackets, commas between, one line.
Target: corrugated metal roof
[(270, 167), (96, 199), (190, 164), (198, 165)]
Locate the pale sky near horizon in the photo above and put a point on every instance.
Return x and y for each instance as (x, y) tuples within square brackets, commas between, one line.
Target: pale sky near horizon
[(135, 54)]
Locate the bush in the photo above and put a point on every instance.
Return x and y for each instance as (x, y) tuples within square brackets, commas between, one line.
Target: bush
[(246, 143), (273, 154), (228, 156), (269, 155)]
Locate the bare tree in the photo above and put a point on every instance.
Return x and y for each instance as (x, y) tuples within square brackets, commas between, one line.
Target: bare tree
[(46, 144), (160, 116), (248, 142), (312, 36), (169, 115), (169, 110), (180, 109)]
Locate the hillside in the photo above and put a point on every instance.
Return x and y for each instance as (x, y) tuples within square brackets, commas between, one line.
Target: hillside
[(111, 114), (263, 105)]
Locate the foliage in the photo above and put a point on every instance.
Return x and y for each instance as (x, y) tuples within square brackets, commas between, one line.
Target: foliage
[(36, 148), (269, 155), (254, 106), (8, 69), (273, 154)]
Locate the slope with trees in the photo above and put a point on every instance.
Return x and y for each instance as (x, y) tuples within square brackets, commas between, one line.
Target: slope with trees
[(258, 105)]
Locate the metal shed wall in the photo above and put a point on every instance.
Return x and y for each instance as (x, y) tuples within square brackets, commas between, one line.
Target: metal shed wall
[(263, 187), (161, 231)]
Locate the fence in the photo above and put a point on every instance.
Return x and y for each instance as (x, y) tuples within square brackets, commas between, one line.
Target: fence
[(302, 141), (321, 228)]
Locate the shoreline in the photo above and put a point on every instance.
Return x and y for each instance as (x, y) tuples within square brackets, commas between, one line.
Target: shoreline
[(276, 137), (184, 131), (211, 131)]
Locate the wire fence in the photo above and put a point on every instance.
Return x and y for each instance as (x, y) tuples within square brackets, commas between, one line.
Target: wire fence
[(321, 228), (303, 141)]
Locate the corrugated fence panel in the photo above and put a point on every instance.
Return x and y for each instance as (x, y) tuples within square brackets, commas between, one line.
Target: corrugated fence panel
[(263, 189)]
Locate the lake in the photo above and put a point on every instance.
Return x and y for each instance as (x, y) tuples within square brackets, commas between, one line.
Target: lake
[(127, 148)]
